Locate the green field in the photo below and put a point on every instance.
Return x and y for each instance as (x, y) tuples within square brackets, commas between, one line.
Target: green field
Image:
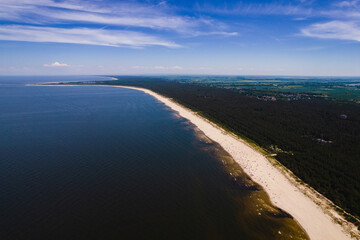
[(283, 87)]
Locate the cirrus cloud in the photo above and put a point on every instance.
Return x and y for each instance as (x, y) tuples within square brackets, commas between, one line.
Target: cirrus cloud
[(334, 30), (130, 19), (114, 38)]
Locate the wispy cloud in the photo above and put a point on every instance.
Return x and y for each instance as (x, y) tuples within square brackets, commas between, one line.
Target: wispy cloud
[(334, 30), (70, 13), (125, 14), (115, 38), (128, 23), (298, 10), (352, 3), (160, 22), (301, 8), (21, 6), (219, 33), (57, 64)]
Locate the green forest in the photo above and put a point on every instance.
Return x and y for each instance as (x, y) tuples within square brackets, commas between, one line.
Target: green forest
[(318, 139)]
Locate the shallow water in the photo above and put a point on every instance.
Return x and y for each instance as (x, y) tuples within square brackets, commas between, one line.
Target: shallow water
[(111, 163)]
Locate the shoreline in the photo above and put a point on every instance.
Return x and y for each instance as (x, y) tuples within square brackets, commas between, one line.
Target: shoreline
[(314, 213)]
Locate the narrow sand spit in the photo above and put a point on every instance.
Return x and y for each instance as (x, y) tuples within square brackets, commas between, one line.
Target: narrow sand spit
[(314, 212), (317, 219)]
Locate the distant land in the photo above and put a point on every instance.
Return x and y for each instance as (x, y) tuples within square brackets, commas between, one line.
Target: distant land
[(285, 88)]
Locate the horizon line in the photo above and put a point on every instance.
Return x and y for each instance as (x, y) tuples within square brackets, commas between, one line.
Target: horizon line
[(165, 75)]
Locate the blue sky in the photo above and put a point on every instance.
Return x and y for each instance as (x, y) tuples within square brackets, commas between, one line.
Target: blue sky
[(296, 37)]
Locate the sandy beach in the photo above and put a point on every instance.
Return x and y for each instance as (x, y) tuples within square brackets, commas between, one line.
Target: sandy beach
[(313, 212)]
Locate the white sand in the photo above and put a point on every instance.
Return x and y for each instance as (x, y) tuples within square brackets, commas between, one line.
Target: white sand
[(317, 221), (313, 212)]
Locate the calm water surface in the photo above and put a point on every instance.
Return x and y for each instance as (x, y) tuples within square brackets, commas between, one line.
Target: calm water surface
[(110, 163)]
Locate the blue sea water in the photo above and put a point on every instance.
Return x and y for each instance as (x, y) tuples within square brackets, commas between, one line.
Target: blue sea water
[(91, 162)]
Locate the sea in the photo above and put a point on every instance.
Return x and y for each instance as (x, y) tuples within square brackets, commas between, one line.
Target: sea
[(93, 162)]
